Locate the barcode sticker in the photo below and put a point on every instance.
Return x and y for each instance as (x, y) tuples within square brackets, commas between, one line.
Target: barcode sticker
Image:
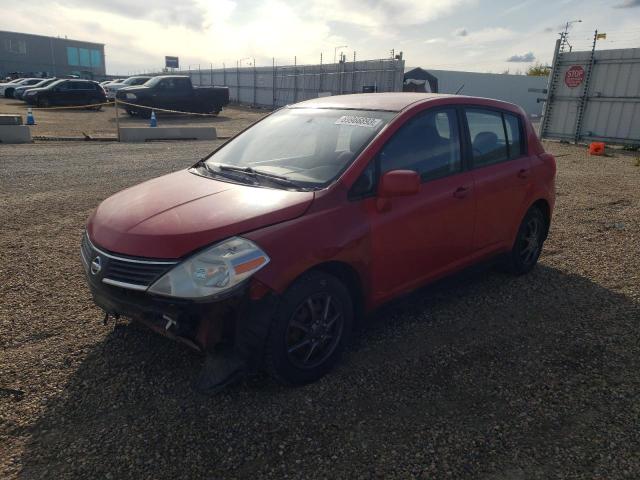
[(358, 121)]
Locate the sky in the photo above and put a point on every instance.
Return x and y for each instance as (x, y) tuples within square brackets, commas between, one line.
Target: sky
[(471, 35)]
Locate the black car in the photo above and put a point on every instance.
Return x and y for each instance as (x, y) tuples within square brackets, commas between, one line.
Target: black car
[(173, 92), (66, 93)]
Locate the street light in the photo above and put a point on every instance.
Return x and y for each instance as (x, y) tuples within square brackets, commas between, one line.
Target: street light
[(335, 51), (565, 34), (569, 23)]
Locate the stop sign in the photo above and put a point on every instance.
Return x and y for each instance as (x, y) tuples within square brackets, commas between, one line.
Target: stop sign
[(574, 76)]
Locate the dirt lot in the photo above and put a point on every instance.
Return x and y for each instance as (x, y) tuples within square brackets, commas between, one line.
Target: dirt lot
[(484, 376), (76, 122)]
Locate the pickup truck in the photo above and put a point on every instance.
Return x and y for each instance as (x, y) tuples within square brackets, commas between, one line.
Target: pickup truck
[(173, 92)]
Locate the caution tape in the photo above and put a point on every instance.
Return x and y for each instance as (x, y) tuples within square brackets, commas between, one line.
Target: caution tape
[(156, 109), (70, 107), (120, 102)]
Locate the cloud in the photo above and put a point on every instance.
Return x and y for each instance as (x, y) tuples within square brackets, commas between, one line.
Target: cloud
[(461, 32), (524, 58), (435, 40), (189, 13), (487, 35), (379, 13), (628, 4), (548, 29)]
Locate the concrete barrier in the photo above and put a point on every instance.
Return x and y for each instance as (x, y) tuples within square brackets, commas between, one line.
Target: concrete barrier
[(145, 134), (15, 134)]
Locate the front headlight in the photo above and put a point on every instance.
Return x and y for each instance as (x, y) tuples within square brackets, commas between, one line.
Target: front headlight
[(214, 270), (131, 96)]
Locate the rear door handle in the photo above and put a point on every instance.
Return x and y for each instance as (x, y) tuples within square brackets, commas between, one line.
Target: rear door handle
[(461, 192), (524, 173)]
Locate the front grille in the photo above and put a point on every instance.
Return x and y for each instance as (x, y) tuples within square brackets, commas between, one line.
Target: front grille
[(123, 271)]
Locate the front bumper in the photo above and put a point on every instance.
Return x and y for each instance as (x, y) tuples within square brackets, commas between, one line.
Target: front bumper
[(200, 325)]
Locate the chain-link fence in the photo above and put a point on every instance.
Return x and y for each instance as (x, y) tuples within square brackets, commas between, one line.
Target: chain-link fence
[(276, 86)]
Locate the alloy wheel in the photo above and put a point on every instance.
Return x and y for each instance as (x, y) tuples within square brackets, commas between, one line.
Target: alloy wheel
[(314, 331)]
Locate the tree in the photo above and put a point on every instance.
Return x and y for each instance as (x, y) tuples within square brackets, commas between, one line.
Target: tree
[(538, 70)]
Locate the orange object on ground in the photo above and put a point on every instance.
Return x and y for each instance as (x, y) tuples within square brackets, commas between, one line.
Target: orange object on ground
[(596, 148)]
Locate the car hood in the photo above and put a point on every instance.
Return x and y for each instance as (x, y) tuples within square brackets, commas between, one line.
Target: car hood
[(132, 89), (173, 215), (38, 89)]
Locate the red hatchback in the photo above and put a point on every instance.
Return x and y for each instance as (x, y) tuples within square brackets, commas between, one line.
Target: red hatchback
[(318, 213)]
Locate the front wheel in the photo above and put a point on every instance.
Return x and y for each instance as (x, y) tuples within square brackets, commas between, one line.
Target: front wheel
[(309, 330), (44, 102), (529, 241)]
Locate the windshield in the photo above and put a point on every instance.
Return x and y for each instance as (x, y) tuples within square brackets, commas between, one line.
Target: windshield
[(307, 145), (153, 81), (56, 82)]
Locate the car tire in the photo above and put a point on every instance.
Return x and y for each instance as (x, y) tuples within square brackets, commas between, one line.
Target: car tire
[(8, 93), (43, 102), (94, 101), (528, 244), (309, 330)]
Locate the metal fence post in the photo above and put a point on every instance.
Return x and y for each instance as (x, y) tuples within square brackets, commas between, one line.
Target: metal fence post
[(273, 82), (255, 86), (115, 107), (551, 89), (238, 80), (295, 79)]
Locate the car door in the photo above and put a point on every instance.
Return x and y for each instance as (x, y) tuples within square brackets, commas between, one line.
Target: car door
[(83, 93), (501, 174), (164, 96), (62, 94), (420, 237), (182, 95)]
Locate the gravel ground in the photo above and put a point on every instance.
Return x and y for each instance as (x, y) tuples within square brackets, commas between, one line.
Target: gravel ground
[(484, 376), (76, 122)]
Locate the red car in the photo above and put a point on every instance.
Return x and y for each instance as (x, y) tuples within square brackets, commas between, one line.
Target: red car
[(317, 214)]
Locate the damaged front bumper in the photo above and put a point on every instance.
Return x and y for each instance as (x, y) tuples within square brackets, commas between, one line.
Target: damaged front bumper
[(200, 325), (239, 317)]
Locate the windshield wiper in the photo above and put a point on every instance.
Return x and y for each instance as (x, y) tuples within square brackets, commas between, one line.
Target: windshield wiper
[(281, 179), (203, 164)]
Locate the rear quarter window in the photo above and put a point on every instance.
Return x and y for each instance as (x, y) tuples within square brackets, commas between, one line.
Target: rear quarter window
[(488, 137), (514, 135)]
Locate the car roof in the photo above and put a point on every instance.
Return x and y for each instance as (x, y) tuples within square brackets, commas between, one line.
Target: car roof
[(396, 101), (389, 101)]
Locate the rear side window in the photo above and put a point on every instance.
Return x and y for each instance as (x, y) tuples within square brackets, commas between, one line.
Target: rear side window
[(428, 144), (488, 138), (514, 139)]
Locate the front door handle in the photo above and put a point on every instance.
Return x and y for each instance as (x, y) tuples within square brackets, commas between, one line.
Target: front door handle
[(524, 173), (461, 192)]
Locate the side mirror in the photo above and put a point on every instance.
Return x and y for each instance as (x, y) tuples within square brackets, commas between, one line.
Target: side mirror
[(399, 183)]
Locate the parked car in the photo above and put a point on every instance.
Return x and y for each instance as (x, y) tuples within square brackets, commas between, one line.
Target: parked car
[(66, 92), (320, 212), (7, 89), (115, 80), (20, 91), (174, 92), (113, 87)]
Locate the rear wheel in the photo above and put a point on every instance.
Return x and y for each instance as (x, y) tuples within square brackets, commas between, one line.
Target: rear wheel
[(310, 329), (93, 101), (529, 241)]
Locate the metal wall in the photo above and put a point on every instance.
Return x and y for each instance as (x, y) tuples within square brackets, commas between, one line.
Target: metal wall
[(604, 106), (505, 87), (46, 54), (277, 86)]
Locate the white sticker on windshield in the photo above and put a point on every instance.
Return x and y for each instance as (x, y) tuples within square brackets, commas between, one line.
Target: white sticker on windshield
[(358, 121)]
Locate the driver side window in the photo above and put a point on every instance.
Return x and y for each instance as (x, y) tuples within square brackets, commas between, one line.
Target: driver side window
[(428, 144)]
